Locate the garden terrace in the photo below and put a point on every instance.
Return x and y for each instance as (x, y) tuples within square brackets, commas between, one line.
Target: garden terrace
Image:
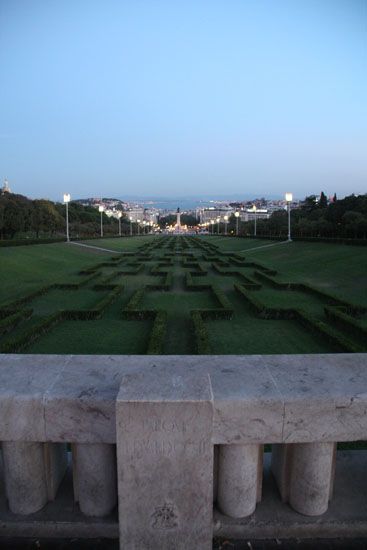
[(207, 295)]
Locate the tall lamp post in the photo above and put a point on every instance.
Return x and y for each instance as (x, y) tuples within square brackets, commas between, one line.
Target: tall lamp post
[(212, 222), (225, 224), (131, 226), (119, 216), (138, 221), (289, 198), (218, 220), (66, 201), (101, 209), (254, 209), (237, 215)]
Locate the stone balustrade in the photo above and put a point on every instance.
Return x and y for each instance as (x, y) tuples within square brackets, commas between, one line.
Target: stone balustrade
[(165, 436)]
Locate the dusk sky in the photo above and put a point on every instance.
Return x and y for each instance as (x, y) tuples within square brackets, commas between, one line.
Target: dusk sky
[(166, 98)]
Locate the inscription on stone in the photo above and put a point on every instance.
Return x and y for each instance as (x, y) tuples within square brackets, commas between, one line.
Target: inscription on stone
[(164, 447), (165, 517)]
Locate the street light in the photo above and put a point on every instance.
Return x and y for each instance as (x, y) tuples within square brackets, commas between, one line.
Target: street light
[(101, 209), (237, 214), (212, 224), (66, 201), (254, 209), (138, 221), (218, 220), (225, 224), (289, 198), (131, 226), (119, 217)]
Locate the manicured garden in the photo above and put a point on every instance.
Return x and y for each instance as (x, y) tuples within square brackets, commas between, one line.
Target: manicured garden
[(183, 295)]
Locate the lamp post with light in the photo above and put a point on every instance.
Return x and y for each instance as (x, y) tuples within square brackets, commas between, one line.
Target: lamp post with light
[(131, 226), (254, 209), (119, 217), (218, 220), (101, 209), (138, 221), (225, 224), (237, 215), (289, 198), (66, 201), (212, 222)]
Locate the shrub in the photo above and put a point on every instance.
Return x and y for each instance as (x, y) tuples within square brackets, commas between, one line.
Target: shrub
[(157, 336), (200, 333), (11, 321)]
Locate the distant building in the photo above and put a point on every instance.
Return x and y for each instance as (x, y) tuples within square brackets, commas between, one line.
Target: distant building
[(5, 188), (207, 214), (250, 214)]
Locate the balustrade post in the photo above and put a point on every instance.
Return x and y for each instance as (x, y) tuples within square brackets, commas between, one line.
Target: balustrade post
[(94, 473), (304, 473), (239, 479)]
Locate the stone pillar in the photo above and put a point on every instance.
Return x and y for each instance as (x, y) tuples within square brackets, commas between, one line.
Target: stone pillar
[(311, 477), (165, 461), (25, 476), (238, 479), (94, 474)]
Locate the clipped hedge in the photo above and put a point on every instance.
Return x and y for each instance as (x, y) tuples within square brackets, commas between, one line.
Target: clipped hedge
[(346, 322), (31, 334), (158, 334), (200, 333), (303, 287), (319, 328), (11, 321), (26, 242)]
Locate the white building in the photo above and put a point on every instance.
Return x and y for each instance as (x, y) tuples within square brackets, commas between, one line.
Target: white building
[(250, 214)]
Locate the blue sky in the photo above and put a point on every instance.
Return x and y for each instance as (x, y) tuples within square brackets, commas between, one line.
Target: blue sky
[(200, 97)]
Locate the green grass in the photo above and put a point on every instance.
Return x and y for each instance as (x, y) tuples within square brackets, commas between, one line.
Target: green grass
[(27, 268), (337, 269)]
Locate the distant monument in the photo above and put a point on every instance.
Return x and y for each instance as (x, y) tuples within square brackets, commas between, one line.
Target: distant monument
[(178, 221), (5, 188)]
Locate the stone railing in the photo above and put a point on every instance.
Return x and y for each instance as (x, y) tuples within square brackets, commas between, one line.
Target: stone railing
[(165, 436)]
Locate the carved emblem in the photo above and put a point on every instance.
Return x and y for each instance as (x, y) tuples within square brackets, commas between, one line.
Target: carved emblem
[(165, 517)]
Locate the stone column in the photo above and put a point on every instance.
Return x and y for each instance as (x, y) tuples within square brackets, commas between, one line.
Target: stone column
[(94, 474), (25, 476), (311, 477), (238, 479), (165, 461)]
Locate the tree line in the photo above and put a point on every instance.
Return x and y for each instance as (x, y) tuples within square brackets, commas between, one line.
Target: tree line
[(315, 218), (21, 217)]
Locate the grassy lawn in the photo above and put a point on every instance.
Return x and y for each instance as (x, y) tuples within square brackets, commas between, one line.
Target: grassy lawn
[(337, 269), (27, 268)]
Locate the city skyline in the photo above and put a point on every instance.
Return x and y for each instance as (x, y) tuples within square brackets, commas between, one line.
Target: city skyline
[(164, 100)]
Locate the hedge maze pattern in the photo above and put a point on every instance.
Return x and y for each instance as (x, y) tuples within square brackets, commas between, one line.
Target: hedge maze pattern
[(178, 295)]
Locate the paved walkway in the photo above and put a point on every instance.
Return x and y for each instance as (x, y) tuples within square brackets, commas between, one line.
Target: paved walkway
[(95, 247)]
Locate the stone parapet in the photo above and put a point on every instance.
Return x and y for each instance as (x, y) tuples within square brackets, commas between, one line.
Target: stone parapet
[(144, 431)]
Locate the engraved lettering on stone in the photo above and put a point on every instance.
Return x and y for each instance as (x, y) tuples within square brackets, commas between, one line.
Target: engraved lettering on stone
[(165, 517)]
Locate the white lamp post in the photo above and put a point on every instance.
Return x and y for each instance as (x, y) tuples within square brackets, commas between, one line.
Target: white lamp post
[(101, 209), (237, 215), (131, 226), (289, 198), (218, 220), (119, 216), (138, 227), (225, 224), (212, 224), (254, 209), (66, 201)]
